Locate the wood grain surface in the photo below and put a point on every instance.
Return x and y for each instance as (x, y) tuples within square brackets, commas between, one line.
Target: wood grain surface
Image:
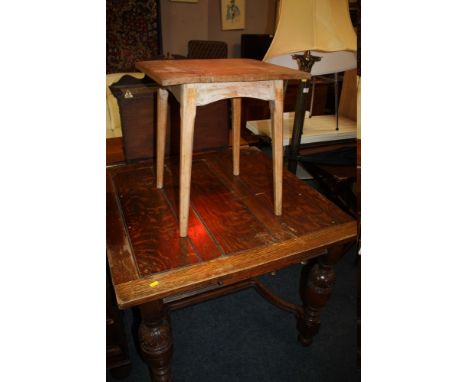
[(175, 72), (229, 270), (233, 232)]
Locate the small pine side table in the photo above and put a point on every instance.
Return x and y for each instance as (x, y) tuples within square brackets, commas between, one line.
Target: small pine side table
[(200, 82)]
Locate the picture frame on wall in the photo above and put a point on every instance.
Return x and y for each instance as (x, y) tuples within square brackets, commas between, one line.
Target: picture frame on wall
[(232, 14)]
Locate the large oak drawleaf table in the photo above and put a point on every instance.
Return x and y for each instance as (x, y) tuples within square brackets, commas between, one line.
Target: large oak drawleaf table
[(233, 237), (200, 82)]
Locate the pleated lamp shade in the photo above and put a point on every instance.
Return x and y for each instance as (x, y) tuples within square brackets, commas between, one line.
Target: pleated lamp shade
[(322, 26)]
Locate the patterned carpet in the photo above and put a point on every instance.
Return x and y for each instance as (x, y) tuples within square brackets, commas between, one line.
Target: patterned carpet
[(132, 33)]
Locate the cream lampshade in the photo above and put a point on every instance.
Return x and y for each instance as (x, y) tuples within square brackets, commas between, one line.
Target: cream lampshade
[(316, 36), (322, 27)]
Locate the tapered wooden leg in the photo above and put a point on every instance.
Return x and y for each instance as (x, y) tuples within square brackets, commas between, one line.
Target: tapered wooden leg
[(236, 133), (161, 129), (276, 108), (317, 281), (155, 339), (187, 120)]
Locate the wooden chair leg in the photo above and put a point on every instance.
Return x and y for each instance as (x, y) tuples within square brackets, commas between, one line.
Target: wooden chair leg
[(187, 119), (161, 129), (276, 109), (155, 339), (236, 133)]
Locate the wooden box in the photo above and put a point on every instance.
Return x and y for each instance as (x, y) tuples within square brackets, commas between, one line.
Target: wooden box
[(137, 104)]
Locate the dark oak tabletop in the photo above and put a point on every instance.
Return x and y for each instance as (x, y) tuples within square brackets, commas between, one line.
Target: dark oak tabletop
[(176, 72), (233, 233)]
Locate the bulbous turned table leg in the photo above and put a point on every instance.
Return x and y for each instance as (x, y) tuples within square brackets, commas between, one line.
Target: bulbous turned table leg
[(155, 339), (317, 281)]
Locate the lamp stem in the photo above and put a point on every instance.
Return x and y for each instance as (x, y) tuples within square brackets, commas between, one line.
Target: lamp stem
[(298, 125), (312, 96), (336, 100), (305, 62)]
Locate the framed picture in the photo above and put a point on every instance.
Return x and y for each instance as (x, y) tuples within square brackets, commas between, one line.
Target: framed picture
[(232, 14)]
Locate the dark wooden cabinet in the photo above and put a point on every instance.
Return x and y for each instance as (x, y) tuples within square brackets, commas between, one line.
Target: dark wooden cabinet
[(255, 45), (212, 124)]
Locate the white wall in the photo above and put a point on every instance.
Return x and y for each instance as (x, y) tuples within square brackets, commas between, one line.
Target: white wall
[(182, 22), (260, 17)]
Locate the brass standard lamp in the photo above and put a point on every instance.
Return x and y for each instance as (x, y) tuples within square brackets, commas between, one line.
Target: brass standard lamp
[(315, 36)]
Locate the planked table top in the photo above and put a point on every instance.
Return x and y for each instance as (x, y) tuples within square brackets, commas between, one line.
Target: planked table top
[(233, 233), (176, 72)]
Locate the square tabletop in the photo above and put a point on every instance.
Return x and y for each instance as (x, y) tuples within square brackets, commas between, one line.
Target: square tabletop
[(233, 233), (176, 72)]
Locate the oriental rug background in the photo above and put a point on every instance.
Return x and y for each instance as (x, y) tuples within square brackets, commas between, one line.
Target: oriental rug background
[(133, 33)]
